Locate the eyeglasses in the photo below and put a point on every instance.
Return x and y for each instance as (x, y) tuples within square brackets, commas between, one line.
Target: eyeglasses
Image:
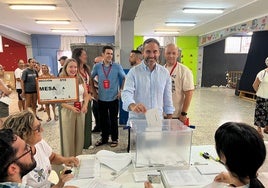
[(28, 150), (38, 129)]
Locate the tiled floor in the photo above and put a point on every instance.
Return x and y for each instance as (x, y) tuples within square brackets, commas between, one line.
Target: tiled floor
[(210, 108)]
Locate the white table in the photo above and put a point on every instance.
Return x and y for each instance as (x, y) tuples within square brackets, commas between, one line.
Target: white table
[(126, 179)]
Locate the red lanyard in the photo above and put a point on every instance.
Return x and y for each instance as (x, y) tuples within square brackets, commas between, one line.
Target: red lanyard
[(174, 66), (106, 73), (85, 76)]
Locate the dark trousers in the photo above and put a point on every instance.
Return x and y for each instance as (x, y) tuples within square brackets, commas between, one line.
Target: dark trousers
[(95, 110), (108, 112), (88, 127)]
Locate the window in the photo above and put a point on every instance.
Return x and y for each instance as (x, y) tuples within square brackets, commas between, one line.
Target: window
[(163, 41), (237, 45)]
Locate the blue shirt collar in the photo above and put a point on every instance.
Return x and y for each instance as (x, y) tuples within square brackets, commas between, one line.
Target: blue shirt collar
[(103, 63)]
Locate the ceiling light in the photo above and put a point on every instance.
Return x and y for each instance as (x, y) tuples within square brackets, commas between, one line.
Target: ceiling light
[(32, 7), (52, 21), (64, 30), (203, 10), (165, 32), (186, 24)]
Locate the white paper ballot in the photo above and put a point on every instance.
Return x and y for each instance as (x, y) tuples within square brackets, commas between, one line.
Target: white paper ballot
[(88, 168), (211, 168), (153, 118), (116, 161)]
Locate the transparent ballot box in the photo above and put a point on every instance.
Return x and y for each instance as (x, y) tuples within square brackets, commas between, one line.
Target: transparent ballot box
[(160, 146)]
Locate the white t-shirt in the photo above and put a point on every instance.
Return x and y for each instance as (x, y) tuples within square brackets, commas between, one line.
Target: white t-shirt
[(18, 73), (263, 87), (182, 80), (39, 176)]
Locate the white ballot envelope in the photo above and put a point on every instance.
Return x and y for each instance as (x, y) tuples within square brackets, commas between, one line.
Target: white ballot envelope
[(153, 118)]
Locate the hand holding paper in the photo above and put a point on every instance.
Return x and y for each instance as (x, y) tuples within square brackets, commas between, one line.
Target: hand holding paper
[(153, 118), (138, 108)]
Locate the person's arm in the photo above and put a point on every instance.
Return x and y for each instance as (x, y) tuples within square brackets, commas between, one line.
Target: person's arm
[(93, 89), (186, 103), (69, 107), (6, 91), (147, 185), (168, 107), (23, 77), (256, 84), (63, 178), (138, 108), (121, 88), (223, 177), (93, 74), (122, 75), (127, 95), (57, 159), (87, 98)]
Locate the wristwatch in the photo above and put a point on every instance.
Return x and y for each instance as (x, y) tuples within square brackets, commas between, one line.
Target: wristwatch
[(184, 113)]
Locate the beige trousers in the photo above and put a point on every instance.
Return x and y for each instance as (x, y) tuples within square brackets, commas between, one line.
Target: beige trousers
[(73, 125)]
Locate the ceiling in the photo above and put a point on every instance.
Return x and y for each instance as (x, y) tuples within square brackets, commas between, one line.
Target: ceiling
[(100, 17)]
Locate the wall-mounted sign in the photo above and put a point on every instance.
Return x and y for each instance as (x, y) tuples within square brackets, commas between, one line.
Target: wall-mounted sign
[(57, 90), (258, 24)]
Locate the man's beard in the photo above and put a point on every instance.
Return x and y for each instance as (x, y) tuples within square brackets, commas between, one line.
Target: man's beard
[(149, 60), (26, 168), (132, 63)]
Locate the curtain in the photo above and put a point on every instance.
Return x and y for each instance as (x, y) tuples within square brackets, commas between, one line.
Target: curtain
[(66, 41)]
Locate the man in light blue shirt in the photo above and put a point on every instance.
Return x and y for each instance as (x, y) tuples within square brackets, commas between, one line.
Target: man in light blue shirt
[(148, 85), (109, 74)]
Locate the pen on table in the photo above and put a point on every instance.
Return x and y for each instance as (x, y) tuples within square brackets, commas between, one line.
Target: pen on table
[(206, 155)]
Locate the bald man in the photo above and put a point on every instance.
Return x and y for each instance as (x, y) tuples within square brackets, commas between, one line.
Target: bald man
[(182, 82)]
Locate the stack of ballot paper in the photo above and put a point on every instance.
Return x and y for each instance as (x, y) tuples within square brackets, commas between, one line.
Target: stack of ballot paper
[(88, 168), (189, 177)]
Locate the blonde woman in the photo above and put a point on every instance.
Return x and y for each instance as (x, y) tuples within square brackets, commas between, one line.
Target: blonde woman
[(73, 114), (46, 74), (26, 126)]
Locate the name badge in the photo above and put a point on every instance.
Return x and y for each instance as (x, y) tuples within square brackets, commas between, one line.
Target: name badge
[(106, 84)]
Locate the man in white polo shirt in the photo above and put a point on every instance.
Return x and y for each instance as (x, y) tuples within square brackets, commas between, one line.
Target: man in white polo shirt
[(18, 73)]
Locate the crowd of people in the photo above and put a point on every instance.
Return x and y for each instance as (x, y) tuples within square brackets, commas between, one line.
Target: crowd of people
[(25, 158)]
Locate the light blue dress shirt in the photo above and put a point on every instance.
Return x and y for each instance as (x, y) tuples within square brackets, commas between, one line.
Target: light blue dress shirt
[(13, 185), (151, 88), (115, 74)]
